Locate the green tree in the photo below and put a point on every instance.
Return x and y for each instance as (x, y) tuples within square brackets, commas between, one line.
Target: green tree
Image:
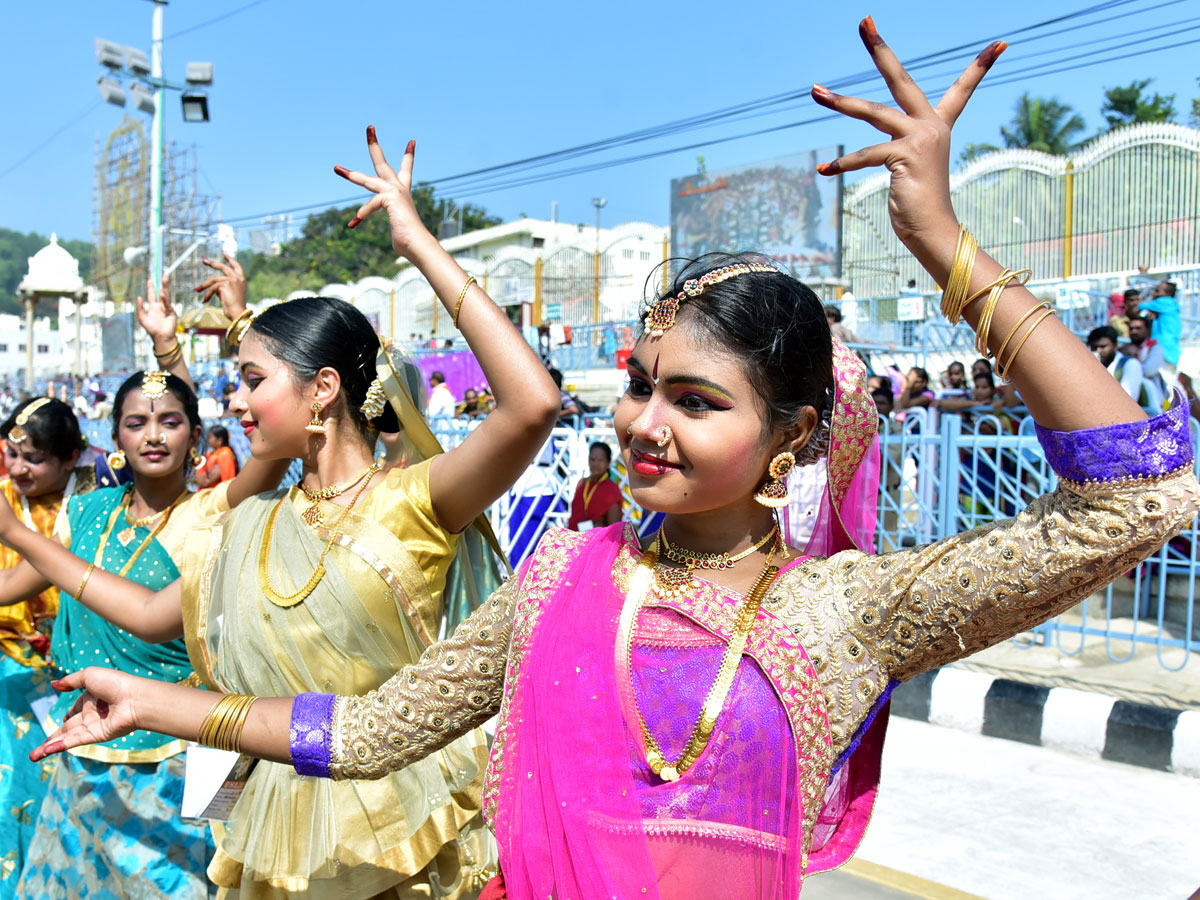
[(327, 252), (1042, 123), (1131, 104), (1194, 118)]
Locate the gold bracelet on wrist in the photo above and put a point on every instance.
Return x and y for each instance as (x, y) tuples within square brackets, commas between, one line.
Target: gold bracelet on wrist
[(172, 356), (461, 296), (959, 280), (238, 327), (1002, 370), (86, 575), (222, 727)]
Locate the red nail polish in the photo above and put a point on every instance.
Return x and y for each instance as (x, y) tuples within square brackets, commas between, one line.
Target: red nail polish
[(353, 222), (204, 259), (829, 168), (868, 33), (411, 148), (371, 135), (340, 170), (989, 54), (819, 90)]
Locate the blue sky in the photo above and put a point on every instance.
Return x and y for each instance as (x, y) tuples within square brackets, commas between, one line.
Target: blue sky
[(479, 84)]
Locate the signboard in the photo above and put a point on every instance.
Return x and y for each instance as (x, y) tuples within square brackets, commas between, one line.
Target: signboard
[(116, 343), (781, 208)]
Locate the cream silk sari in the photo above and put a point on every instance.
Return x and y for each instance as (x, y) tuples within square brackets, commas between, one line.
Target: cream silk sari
[(374, 612)]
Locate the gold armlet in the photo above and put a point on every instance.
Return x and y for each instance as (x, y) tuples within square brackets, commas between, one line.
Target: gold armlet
[(237, 329), (461, 296), (86, 575)]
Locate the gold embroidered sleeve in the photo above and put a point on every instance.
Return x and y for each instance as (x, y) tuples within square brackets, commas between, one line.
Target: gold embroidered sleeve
[(864, 620), (955, 597), (455, 686)]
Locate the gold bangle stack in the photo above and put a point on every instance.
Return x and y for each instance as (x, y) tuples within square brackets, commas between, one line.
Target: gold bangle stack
[(461, 296), (1003, 366), (954, 297), (86, 575), (237, 328), (222, 727), (994, 291), (172, 356)]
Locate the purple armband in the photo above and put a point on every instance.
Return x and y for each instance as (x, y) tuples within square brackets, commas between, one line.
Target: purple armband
[(1132, 450), (312, 729)]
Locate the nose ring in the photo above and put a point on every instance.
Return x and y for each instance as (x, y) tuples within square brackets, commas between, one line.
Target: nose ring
[(664, 436)]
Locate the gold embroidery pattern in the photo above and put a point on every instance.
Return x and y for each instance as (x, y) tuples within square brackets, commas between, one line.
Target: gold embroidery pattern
[(550, 561), (867, 619), (854, 422), (455, 686)]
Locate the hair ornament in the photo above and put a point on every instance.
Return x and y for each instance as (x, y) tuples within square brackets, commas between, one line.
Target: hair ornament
[(375, 403), (18, 433), (660, 316), (154, 384)]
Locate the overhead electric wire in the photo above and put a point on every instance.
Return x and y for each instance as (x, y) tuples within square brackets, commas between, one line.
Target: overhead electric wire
[(214, 20), (74, 121), (517, 173)]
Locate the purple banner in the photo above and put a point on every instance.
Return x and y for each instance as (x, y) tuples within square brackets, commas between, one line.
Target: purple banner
[(458, 366)]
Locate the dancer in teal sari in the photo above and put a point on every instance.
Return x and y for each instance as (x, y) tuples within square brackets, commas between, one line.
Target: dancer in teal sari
[(109, 825)]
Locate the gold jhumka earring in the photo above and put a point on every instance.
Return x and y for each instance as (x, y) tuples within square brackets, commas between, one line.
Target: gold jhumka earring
[(774, 493), (316, 426), (116, 460)]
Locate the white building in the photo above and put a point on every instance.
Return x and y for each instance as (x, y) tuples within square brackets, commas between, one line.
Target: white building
[(47, 349)]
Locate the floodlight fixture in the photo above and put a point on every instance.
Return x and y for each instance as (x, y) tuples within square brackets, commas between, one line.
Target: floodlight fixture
[(111, 91), (199, 73), (195, 106), (142, 97), (137, 61), (109, 55)]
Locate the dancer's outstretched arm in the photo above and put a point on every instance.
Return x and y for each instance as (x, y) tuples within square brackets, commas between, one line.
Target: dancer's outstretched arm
[(467, 480), (1054, 370)]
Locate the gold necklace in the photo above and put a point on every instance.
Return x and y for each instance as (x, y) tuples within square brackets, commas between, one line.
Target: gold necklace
[(694, 560), (312, 515), (714, 702), (98, 559), (588, 495), (264, 550), (126, 535)]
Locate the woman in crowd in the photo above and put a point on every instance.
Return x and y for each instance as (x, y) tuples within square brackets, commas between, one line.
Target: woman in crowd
[(82, 846), (597, 501), (219, 462), (345, 573), (597, 654), (42, 445)]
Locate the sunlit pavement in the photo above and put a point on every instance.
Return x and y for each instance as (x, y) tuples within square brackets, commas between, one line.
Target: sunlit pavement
[(962, 815)]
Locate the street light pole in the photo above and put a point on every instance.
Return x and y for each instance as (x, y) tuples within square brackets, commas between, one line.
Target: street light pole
[(156, 145), (599, 203)]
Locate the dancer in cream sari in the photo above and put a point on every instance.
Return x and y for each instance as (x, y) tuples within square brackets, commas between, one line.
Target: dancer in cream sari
[(376, 609)]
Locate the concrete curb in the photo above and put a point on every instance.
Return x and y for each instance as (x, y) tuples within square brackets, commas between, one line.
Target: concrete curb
[(1079, 722)]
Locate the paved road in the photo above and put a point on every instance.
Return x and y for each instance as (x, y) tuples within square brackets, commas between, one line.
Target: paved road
[(1007, 821)]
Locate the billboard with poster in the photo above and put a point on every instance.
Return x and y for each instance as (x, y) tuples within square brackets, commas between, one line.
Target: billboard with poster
[(781, 208)]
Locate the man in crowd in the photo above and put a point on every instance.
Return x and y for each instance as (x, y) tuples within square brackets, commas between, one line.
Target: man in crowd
[(1102, 342), (1149, 353), (840, 332), (1167, 328), (441, 401), (1120, 322)]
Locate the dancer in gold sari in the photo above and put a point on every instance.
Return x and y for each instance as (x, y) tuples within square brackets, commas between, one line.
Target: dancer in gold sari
[(335, 584)]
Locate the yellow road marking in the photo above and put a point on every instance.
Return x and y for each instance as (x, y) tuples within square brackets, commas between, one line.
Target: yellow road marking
[(902, 881)]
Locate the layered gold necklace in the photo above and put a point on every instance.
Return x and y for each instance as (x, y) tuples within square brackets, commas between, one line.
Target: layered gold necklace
[(312, 515), (694, 560), (123, 509), (264, 549), (648, 572), (126, 535)]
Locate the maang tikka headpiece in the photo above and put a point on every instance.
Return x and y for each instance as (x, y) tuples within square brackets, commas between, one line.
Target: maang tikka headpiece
[(154, 385), (661, 314)]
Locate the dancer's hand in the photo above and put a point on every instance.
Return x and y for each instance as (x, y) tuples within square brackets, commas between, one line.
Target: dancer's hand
[(393, 193), (156, 313), (229, 286), (103, 712), (918, 155)]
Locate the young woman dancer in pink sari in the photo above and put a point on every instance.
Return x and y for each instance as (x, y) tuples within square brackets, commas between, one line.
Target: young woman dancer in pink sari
[(706, 709)]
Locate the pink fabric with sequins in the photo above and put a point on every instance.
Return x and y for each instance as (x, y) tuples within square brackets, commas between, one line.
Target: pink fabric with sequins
[(580, 813)]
